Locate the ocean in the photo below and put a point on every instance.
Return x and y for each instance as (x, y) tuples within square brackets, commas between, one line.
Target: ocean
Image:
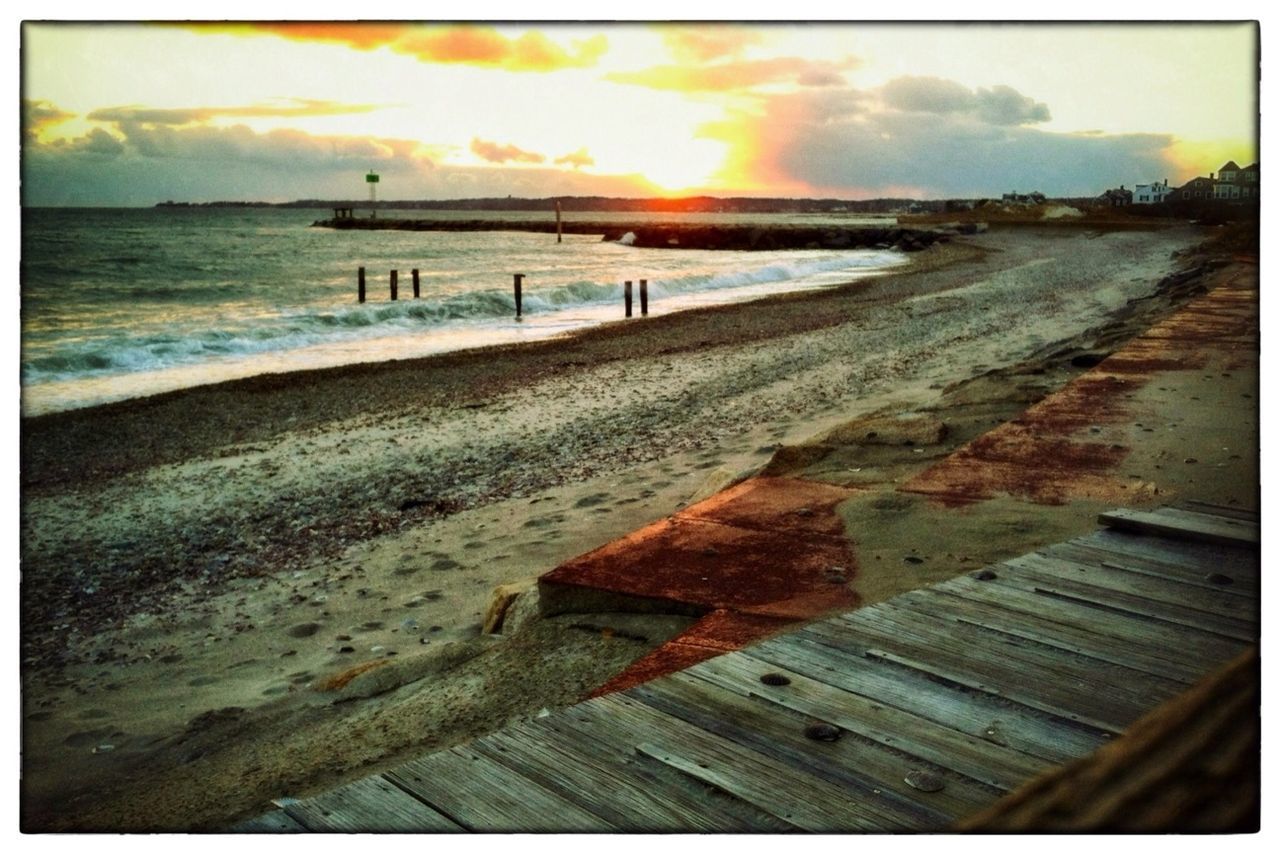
[(121, 303)]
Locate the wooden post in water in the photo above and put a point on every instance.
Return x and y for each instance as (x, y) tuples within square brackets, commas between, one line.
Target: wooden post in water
[(415, 284), (394, 284), (558, 226), (644, 297), (519, 280), (626, 296), (361, 278)]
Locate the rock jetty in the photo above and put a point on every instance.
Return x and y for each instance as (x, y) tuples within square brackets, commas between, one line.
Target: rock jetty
[(680, 235)]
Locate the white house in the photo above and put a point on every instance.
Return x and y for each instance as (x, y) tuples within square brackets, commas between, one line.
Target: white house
[(1151, 193)]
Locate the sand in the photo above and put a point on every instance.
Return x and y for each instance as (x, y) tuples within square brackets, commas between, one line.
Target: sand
[(203, 570)]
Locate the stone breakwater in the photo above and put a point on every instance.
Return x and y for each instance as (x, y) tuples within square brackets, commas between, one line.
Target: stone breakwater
[(690, 236)]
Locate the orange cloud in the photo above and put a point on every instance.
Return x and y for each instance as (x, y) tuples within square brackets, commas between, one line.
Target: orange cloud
[(744, 74), (458, 44), (495, 153), (40, 115), (576, 159), (293, 107), (707, 42)]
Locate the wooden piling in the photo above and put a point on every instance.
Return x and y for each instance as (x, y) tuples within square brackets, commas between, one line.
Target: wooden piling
[(626, 296), (394, 284), (644, 297), (361, 278), (558, 232), (416, 294), (519, 298)]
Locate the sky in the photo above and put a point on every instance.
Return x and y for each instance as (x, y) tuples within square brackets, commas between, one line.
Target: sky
[(134, 114)]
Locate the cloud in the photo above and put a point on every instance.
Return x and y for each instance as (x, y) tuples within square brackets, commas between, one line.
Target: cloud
[(867, 143), (495, 153), (40, 115), (738, 75), (576, 159), (286, 108), (457, 44), (705, 43), (997, 105), (148, 164)]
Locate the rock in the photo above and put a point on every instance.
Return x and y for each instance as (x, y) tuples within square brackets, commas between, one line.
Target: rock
[(378, 676), (501, 602)]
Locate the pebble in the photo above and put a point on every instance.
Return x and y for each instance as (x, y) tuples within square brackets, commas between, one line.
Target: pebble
[(346, 650), (911, 558)]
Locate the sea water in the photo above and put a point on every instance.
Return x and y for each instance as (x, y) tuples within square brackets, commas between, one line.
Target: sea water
[(119, 303)]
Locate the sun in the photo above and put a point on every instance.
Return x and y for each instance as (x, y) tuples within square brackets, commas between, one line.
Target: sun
[(694, 167)]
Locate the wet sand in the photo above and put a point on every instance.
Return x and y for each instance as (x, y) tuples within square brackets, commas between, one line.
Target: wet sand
[(200, 569)]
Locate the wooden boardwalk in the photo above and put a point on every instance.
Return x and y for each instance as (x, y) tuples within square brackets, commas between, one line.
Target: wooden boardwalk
[(903, 716)]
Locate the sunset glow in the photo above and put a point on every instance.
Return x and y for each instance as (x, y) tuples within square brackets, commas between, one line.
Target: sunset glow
[(280, 111)]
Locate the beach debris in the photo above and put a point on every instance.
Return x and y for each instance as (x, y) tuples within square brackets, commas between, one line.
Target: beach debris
[(1190, 460), (543, 713), (346, 650), (822, 731), (835, 574), (984, 575), (511, 605), (409, 624), (373, 677), (103, 747), (775, 679), (913, 559), (923, 780)]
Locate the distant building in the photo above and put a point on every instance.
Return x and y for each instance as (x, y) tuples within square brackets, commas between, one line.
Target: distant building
[(1151, 193), (1196, 189), (1023, 198), (1117, 198), (1235, 183)]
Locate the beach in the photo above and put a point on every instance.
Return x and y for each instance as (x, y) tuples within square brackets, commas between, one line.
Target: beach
[(203, 570)]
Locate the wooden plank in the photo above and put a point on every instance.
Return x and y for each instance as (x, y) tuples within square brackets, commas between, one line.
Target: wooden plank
[(1242, 585), (585, 731), (977, 714), (608, 789), (798, 798), (1246, 527), (1170, 641), (1182, 526), (864, 770), (1183, 552), (981, 760), (369, 805), (1239, 513), (1032, 686), (915, 614), (274, 821), (1124, 588), (1135, 655), (484, 796)]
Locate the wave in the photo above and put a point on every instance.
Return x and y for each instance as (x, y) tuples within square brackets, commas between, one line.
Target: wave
[(295, 328)]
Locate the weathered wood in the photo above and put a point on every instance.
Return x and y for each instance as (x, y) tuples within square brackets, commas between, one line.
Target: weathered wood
[(1135, 655), (1241, 584), (589, 730), (416, 289), (1147, 587), (1183, 525), (1240, 513), (1169, 641), (484, 796), (395, 275), (1016, 681), (792, 796), (864, 769), (559, 226), (626, 296), (607, 789), (644, 297), (971, 712), (979, 759), (1183, 552), (360, 283), (1124, 687), (1073, 589), (368, 805), (519, 282), (275, 821)]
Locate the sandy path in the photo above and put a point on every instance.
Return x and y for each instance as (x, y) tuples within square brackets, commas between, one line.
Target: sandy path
[(236, 573)]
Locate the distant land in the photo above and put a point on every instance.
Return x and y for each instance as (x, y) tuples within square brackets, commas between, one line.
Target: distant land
[(577, 204)]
